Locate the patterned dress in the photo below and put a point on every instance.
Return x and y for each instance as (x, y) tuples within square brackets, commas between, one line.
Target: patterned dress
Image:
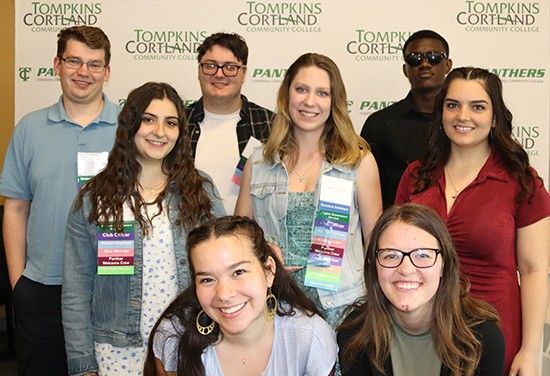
[(160, 287)]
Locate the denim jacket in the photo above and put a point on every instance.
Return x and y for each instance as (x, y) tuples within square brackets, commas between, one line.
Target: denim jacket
[(269, 191), (104, 308)]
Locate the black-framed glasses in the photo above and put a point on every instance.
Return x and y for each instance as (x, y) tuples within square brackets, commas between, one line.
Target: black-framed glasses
[(420, 257), (95, 66), (414, 59), (228, 70)]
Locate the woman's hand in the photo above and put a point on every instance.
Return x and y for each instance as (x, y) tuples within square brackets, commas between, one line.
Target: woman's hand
[(525, 363)]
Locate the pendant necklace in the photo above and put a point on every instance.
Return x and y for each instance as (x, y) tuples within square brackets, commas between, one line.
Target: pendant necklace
[(452, 185), (302, 177)]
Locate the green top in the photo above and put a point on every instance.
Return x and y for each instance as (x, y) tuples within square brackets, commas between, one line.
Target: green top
[(413, 354)]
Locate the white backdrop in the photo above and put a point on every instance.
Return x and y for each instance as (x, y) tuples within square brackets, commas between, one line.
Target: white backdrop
[(157, 39)]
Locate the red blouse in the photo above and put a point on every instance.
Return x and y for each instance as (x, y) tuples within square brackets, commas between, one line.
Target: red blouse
[(483, 222)]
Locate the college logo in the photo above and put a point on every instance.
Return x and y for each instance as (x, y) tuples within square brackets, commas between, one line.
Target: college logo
[(48, 17), (281, 16), (260, 74), (534, 75), (164, 44), (499, 16), (368, 45), (41, 74), (24, 73), (527, 136)]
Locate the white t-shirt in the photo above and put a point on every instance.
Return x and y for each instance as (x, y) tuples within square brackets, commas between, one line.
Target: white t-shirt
[(217, 154), (302, 345)]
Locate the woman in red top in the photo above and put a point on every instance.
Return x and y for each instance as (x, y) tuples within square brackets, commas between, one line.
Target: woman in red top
[(495, 206)]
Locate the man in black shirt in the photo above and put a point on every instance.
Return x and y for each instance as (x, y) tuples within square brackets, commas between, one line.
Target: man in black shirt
[(398, 134)]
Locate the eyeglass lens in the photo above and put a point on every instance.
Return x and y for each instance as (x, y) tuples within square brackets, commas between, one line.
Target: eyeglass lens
[(421, 258), (76, 63), (414, 59), (229, 70)]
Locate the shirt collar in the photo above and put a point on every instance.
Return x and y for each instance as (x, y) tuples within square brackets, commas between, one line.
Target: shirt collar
[(196, 114), (492, 169), (108, 114), (325, 167), (409, 106)]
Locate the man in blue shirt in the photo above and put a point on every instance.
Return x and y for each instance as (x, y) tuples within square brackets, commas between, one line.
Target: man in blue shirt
[(51, 153)]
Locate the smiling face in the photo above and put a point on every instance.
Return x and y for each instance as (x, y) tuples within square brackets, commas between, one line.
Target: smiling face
[(158, 132), (310, 101), (80, 86), (231, 284), (467, 114), (219, 90), (409, 289), (426, 77)]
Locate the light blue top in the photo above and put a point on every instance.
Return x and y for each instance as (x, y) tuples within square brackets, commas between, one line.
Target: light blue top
[(41, 166), (269, 193), (107, 308), (302, 346)]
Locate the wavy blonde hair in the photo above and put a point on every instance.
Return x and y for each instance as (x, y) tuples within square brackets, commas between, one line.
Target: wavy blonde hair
[(339, 142)]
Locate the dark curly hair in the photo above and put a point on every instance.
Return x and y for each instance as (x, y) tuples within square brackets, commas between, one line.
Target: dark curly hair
[(118, 182)]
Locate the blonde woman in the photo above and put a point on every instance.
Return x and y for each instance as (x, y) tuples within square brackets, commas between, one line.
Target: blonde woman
[(313, 152)]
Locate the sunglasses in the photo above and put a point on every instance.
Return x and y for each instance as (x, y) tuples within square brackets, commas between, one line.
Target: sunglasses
[(414, 59)]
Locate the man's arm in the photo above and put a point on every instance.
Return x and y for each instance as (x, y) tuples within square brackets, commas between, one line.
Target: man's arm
[(16, 214)]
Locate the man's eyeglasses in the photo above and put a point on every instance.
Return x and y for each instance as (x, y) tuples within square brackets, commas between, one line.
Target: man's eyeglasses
[(420, 257), (229, 70), (414, 59), (95, 66)]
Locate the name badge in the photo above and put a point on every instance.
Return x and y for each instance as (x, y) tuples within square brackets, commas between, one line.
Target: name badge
[(330, 232), (115, 250), (252, 144), (88, 165)]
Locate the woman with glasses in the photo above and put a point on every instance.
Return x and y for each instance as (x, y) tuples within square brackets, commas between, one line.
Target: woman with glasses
[(314, 187), (416, 317), (478, 179), (125, 239)]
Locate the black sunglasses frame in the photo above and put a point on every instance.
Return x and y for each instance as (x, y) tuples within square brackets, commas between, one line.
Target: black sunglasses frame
[(414, 59)]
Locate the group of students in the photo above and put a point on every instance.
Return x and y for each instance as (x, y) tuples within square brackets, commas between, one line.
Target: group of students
[(245, 308), (235, 286)]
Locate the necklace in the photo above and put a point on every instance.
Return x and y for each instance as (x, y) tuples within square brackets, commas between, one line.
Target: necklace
[(149, 193), (452, 185), (302, 177)]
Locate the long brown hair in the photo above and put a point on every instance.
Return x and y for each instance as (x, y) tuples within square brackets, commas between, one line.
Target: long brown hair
[(186, 307), (455, 313), (512, 153), (117, 183), (339, 142)]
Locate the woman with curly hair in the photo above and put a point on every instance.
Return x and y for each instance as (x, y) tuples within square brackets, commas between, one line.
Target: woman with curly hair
[(416, 317), (290, 186), (125, 239), (478, 178)]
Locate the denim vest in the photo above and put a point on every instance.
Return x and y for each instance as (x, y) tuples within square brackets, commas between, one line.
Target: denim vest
[(107, 309), (269, 191)]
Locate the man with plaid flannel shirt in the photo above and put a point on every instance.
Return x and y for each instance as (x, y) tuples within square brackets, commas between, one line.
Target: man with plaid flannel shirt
[(222, 122)]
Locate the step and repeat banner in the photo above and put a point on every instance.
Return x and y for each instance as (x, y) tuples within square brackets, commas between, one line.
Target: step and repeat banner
[(156, 40)]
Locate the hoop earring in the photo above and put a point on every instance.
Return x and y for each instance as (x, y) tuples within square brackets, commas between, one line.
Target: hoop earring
[(271, 305), (204, 329)]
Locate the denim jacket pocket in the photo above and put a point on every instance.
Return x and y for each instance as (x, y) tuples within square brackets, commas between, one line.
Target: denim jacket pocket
[(267, 201)]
